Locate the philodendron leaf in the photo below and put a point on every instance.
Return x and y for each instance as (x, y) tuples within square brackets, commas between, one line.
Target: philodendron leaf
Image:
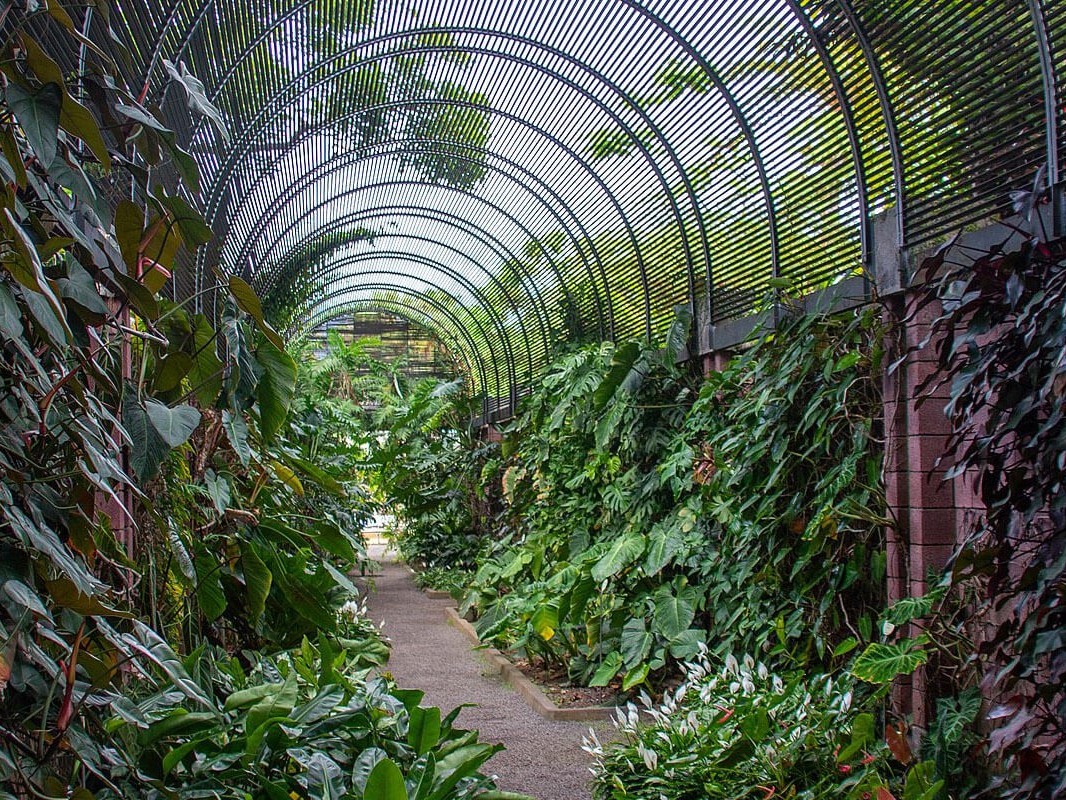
[(196, 95), (622, 552), (607, 670), (174, 425), (38, 116), (276, 388), (385, 782), (674, 612), (636, 642), (882, 663), (147, 448)]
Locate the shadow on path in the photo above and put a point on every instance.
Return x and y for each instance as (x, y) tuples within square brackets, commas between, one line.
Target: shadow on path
[(543, 758)]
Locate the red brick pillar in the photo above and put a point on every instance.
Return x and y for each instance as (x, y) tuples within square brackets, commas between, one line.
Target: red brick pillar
[(923, 505)]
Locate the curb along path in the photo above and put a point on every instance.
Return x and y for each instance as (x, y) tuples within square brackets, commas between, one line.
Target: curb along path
[(543, 757)]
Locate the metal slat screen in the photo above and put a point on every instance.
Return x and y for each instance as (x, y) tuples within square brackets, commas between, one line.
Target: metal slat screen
[(514, 177)]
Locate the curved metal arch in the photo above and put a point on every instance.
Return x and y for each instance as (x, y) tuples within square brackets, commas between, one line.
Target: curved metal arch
[(630, 133), (352, 216), (458, 277), (388, 287), (435, 215), (353, 156), (739, 117), (244, 254), (630, 231), (439, 333), (355, 215), (888, 112), (849, 124)]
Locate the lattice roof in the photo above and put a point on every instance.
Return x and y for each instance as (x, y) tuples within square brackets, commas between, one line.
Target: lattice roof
[(515, 175)]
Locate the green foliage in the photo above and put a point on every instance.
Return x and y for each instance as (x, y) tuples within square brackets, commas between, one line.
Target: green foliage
[(135, 412), (749, 518), (999, 341), (304, 723), (741, 730)]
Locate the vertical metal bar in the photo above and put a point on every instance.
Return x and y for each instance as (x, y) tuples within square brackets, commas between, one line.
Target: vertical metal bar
[(1051, 120), (888, 112)]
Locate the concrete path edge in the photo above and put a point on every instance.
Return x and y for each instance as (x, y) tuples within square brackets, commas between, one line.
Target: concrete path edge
[(529, 691)]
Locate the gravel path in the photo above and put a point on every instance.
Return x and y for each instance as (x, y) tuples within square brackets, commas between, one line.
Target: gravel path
[(543, 758)]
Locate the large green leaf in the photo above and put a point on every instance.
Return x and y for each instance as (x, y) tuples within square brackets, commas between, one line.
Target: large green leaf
[(248, 301), (174, 425), (277, 386), (423, 730), (620, 373), (458, 764), (278, 703), (663, 544), (385, 782), (205, 376), (237, 432), (364, 765), (545, 620), (38, 115), (674, 612), (194, 231), (636, 642), (209, 592), (882, 663), (607, 670), (257, 580), (620, 554), (147, 448), (196, 95)]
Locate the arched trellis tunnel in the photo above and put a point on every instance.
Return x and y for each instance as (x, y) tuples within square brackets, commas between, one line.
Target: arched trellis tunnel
[(515, 176)]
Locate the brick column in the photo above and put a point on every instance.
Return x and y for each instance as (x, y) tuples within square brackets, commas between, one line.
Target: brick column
[(923, 505)]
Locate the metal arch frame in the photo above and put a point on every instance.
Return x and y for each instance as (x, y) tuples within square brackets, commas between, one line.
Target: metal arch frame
[(431, 327), (389, 287), (739, 117), (629, 230), (888, 114), (1049, 78), (355, 215), (455, 275), (652, 163), (412, 211), (852, 130), (584, 239), (330, 167), (447, 313)]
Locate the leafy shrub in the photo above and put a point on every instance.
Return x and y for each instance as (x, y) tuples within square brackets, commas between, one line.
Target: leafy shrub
[(999, 341), (443, 579), (304, 723), (743, 731), (643, 524)]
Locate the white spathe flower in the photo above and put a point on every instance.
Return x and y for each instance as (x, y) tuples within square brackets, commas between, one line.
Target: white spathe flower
[(651, 758)]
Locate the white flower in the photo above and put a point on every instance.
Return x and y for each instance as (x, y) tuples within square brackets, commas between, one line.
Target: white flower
[(651, 758)]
